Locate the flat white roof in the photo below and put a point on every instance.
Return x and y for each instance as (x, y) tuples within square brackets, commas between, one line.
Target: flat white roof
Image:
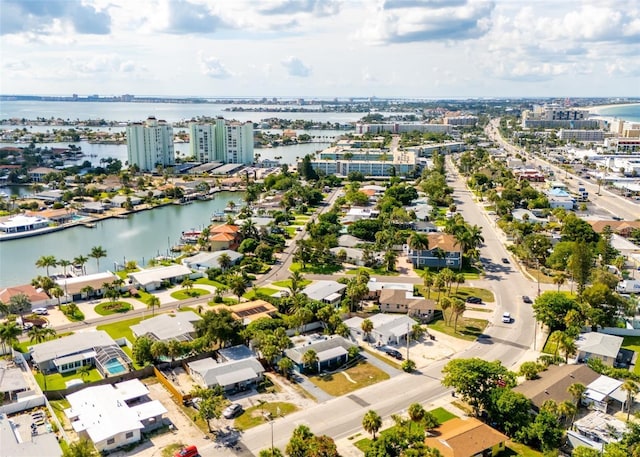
[(160, 274), (22, 220), (167, 326)]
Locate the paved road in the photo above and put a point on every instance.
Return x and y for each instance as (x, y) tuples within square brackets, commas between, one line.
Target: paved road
[(608, 201), (342, 416)]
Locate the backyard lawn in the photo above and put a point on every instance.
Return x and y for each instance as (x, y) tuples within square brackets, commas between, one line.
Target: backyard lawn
[(633, 344), (255, 415), (209, 282), (345, 381), (287, 283), (121, 328), (468, 329), (57, 381), (519, 449), (185, 294), (315, 269)]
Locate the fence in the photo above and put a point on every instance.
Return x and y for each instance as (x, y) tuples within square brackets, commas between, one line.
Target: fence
[(621, 331)]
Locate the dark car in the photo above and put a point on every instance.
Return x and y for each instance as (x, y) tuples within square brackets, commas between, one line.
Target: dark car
[(526, 299), (474, 300), (232, 410), (505, 260), (393, 353)]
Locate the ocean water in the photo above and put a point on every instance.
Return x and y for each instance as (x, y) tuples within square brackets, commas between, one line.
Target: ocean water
[(629, 112)]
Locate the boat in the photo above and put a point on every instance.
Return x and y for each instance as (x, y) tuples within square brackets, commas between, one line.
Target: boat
[(190, 236), (218, 217), (90, 224)]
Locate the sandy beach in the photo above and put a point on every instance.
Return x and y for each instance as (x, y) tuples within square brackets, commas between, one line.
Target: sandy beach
[(597, 108)]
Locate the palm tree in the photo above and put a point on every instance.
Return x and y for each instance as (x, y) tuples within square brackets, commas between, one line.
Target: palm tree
[(310, 358), (416, 413), (238, 285), (367, 327), (418, 242), (428, 282), (390, 258), (46, 261), (577, 390), (19, 304), (152, 302), (445, 304), (88, 291), (567, 410), (39, 334), (187, 284), (80, 262), (567, 345), (4, 309), (64, 263), (459, 279), (632, 389), (57, 292), (9, 332), (224, 261), (459, 308), (97, 252), (559, 279), (371, 423)]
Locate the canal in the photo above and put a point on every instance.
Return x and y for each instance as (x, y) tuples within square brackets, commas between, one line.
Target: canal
[(140, 237)]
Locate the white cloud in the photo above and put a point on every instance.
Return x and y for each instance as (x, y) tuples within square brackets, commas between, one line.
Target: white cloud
[(212, 67), (296, 67)]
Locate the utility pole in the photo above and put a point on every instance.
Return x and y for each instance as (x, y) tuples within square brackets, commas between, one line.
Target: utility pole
[(408, 336)]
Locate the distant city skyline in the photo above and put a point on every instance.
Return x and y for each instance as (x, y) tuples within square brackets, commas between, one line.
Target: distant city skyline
[(321, 48)]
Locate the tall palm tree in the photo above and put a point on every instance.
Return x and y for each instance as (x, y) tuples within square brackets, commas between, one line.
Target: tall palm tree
[(81, 262), (19, 304), (224, 261), (416, 413), (152, 302), (458, 308), (9, 332), (64, 263), (632, 389), (367, 327), (46, 261), (310, 358), (445, 304), (418, 242), (559, 279), (97, 252), (371, 423), (4, 309), (577, 390), (39, 334), (428, 282), (459, 279), (56, 292)]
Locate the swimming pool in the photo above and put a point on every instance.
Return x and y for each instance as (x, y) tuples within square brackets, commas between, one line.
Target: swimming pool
[(114, 366)]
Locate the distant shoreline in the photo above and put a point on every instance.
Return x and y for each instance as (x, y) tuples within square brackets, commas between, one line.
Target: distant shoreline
[(595, 109)]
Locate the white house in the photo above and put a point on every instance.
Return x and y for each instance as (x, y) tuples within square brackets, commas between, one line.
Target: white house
[(167, 327), (114, 416), (153, 278), (325, 291), (387, 328)]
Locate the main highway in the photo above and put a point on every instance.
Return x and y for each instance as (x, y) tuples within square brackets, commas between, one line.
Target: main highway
[(342, 416)]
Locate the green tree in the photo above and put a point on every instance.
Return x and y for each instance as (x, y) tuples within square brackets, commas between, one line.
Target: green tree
[(82, 448), (530, 370), (38, 335), (310, 359), (97, 252), (631, 388), (367, 327), (580, 264), (582, 451), (218, 327), (9, 332), (19, 304), (551, 307), (371, 423), (510, 410), (238, 285), (224, 260), (153, 302), (545, 432), (285, 365), (142, 350), (46, 261), (475, 379)]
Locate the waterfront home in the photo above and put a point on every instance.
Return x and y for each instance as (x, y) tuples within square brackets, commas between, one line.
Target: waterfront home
[(250, 311), (77, 287), (119, 201), (466, 437), (154, 278), (22, 223), (90, 348), (112, 416), (57, 216), (167, 327), (93, 208), (37, 297), (54, 195), (225, 236), (38, 174), (232, 375), (332, 351), (443, 251), (205, 260)]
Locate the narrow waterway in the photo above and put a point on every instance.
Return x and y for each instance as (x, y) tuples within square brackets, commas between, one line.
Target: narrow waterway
[(140, 237)]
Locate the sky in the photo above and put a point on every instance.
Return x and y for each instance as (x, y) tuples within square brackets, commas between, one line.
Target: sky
[(321, 48)]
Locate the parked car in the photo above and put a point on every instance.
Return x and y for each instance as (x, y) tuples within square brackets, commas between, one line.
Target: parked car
[(475, 300), (188, 451), (232, 410), (41, 311), (526, 299), (505, 260), (506, 318), (393, 353)]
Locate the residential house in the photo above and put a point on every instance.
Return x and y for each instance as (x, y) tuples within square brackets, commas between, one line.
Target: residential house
[(250, 311), (598, 345), (444, 251), (12, 382), (205, 260), (232, 375), (376, 287), (400, 301), (224, 236), (330, 292), (17, 439), (75, 288), (387, 328), (348, 241), (153, 278), (113, 416), (167, 327), (119, 201), (553, 383), (353, 256), (38, 174), (622, 228), (595, 430), (422, 226), (37, 297), (21, 223), (90, 348), (604, 391), (468, 437), (57, 216), (332, 351)]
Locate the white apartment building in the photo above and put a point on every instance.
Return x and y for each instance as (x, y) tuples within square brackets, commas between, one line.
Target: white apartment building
[(222, 141), (150, 144), (461, 120), (581, 135)]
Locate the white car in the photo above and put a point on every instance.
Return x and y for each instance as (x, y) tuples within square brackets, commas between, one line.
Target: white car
[(41, 311), (506, 318)]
